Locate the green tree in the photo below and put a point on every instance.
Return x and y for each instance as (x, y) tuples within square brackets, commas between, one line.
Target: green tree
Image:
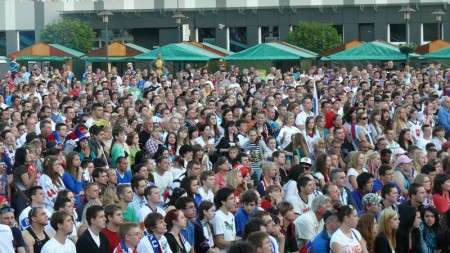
[(317, 37), (71, 33)]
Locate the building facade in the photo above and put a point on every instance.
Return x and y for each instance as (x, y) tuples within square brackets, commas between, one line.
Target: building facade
[(231, 24)]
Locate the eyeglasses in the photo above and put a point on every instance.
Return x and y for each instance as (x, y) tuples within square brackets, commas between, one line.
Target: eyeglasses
[(365, 118), (135, 234), (7, 209)]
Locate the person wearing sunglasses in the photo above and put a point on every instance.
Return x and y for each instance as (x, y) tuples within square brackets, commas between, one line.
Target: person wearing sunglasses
[(362, 131), (7, 218)]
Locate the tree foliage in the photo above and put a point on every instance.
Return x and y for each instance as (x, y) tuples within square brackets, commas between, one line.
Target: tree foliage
[(71, 33), (317, 37)]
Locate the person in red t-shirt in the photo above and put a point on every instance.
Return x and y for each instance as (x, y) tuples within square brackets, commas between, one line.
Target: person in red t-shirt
[(441, 186), (114, 218)]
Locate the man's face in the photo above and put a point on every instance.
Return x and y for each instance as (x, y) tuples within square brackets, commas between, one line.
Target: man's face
[(393, 195), (309, 188), (190, 211), (340, 179), (100, 220), (334, 193), (387, 178), (122, 165), (249, 207), (67, 225), (102, 178), (112, 177), (421, 195), (7, 219), (41, 217), (93, 192), (40, 197), (127, 195), (164, 164), (117, 218), (141, 188)]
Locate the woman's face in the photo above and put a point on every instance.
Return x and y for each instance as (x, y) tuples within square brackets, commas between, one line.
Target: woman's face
[(338, 122), (157, 133), (362, 159), (352, 218), (310, 124), (377, 117), (394, 222), (429, 218), (260, 119), (408, 136), (272, 172), (417, 220), (446, 186), (172, 139), (328, 162), (213, 120), (76, 161), (56, 166), (386, 116), (207, 131), (71, 196), (422, 160), (252, 135), (248, 118), (426, 183), (376, 161), (183, 134), (194, 186), (210, 213), (239, 178), (228, 116), (231, 129)]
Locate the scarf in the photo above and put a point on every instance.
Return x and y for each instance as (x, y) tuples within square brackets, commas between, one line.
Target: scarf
[(154, 243)]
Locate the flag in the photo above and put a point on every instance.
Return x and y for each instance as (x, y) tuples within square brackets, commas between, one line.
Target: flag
[(78, 133), (315, 99), (54, 136)]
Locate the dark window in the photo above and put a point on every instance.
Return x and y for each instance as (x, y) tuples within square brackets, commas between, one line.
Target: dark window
[(340, 30), (238, 38), (430, 31), (2, 43), (397, 32), (207, 35), (26, 39), (269, 33)]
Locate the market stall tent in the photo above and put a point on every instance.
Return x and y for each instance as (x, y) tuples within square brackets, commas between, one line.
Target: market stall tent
[(263, 56), (375, 52), (433, 46)]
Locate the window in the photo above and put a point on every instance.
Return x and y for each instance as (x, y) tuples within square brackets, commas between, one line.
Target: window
[(238, 38), (269, 33), (397, 33), (26, 39), (340, 31), (429, 32), (207, 35), (2, 43)]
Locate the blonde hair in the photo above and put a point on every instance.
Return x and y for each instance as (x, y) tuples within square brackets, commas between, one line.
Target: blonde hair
[(383, 221), (354, 160), (232, 179), (108, 195), (415, 162), (420, 178), (265, 166)]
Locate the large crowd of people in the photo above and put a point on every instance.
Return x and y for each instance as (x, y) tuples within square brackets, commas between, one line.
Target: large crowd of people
[(153, 161)]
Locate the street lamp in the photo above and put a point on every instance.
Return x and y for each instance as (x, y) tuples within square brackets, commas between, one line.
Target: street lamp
[(105, 15), (439, 13), (407, 16), (178, 16)]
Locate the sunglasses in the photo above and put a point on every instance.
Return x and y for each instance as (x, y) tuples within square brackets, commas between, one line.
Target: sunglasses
[(365, 118), (7, 209)]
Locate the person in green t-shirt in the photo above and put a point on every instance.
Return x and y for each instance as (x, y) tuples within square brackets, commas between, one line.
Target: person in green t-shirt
[(137, 93), (125, 194)]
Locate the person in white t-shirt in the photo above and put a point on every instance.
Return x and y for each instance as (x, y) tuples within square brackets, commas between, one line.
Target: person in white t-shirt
[(154, 241), (207, 184), (162, 176), (223, 224), (347, 239), (303, 200), (37, 199), (62, 223), (6, 238), (152, 197)]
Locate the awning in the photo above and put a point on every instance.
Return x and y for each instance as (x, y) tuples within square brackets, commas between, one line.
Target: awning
[(272, 51), (179, 52)]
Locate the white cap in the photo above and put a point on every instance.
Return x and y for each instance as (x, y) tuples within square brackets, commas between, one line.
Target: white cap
[(306, 160)]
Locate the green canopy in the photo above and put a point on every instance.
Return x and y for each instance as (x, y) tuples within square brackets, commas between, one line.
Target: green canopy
[(42, 58), (375, 50), (440, 54), (179, 52), (111, 59), (71, 51), (228, 52), (272, 51)]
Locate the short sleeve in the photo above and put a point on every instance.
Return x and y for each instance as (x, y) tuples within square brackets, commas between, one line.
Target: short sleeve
[(218, 227)]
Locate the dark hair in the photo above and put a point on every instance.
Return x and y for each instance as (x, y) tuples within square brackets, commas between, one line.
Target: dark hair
[(33, 191), (135, 181), (182, 202), (413, 188), (383, 169), (363, 178), (148, 190), (241, 247), (222, 195), (20, 157), (257, 237), (110, 210), (252, 225), (204, 206), (435, 212), (61, 203), (96, 173), (58, 218), (386, 189), (152, 220), (249, 197), (302, 182), (342, 211), (92, 212), (427, 169), (186, 184), (439, 180), (170, 217)]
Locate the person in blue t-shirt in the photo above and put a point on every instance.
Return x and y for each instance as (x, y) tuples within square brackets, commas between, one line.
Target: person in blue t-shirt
[(249, 200)]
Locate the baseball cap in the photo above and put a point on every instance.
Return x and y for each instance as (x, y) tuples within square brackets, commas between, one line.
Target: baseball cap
[(398, 151), (333, 100), (403, 159), (306, 160), (244, 170), (371, 199)]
